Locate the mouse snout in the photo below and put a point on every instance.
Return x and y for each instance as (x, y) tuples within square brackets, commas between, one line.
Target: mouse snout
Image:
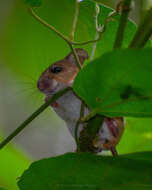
[(43, 84), (46, 85)]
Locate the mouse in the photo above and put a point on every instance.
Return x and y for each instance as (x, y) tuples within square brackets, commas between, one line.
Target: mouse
[(60, 75)]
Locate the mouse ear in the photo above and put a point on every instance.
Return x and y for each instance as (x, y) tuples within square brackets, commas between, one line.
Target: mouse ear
[(82, 54)]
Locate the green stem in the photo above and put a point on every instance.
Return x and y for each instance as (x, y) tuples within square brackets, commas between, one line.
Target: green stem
[(57, 32), (75, 56), (75, 19), (126, 4), (88, 117), (97, 11), (86, 42), (48, 25), (144, 31), (32, 117)]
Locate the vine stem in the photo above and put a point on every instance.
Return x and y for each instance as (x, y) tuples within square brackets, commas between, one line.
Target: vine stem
[(97, 10), (58, 33), (48, 25), (75, 19), (32, 117), (144, 31), (125, 5)]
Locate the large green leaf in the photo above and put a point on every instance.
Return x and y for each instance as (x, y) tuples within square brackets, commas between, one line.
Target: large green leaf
[(118, 83), (87, 171), (28, 47)]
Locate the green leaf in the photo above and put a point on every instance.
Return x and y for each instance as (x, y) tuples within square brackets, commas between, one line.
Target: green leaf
[(34, 3), (32, 47), (118, 83), (2, 188), (137, 136), (87, 171)]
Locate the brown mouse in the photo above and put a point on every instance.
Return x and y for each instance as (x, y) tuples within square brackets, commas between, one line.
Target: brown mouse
[(61, 74)]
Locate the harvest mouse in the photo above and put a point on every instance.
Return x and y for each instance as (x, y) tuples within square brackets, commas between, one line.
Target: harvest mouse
[(60, 75)]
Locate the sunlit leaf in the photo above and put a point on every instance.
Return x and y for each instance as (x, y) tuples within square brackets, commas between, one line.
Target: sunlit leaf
[(87, 171), (137, 136), (118, 83)]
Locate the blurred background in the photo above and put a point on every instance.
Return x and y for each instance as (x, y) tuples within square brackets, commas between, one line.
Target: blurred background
[(47, 135)]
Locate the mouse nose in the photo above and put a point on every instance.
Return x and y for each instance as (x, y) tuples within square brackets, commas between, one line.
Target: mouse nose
[(43, 85)]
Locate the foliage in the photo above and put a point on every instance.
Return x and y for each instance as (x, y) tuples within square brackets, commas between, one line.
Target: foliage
[(121, 88), (123, 79), (42, 47), (77, 171)]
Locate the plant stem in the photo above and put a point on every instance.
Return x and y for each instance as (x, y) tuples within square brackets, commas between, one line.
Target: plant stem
[(126, 4), (75, 19), (89, 116), (97, 8), (75, 56), (32, 117), (48, 25), (144, 31)]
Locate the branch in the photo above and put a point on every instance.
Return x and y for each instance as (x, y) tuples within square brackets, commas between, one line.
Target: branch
[(126, 4), (75, 56), (48, 25), (32, 117), (144, 31), (75, 19), (97, 31)]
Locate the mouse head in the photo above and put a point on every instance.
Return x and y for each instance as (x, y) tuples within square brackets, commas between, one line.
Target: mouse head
[(61, 74)]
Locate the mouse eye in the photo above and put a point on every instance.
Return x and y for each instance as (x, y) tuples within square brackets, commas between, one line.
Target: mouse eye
[(56, 69)]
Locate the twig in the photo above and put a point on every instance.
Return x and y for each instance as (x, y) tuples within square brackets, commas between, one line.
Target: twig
[(75, 55), (75, 19), (86, 42), (144, 31), (58, 33), (89, 116), (126, 4), (48, 25), (32, 117), (97, 8)]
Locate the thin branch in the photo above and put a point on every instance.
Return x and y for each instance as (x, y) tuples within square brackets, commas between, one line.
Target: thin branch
[(75, 56), (89, 116), (126, 4), (97, 8), (86, 42), (48, 25), (144, 31), (58, 33), (75, 19), (32, 117)]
